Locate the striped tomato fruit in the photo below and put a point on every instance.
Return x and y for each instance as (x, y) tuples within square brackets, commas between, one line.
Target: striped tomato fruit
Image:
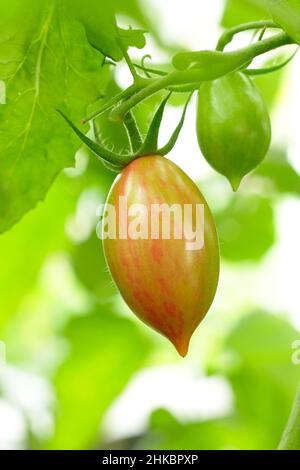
[(163, 252)]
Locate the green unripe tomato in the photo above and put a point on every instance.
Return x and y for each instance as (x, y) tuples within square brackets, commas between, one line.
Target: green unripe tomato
[(233, 126)]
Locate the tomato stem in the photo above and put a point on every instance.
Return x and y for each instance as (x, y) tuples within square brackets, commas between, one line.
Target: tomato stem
[(127, 59), (197, 70), (229, 34), (123, 95), (271, 68)]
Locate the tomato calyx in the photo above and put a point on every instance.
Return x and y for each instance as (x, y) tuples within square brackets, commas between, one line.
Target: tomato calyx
[(138, 147)]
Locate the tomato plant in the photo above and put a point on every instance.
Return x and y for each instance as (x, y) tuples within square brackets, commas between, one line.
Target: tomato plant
[(60, 59), (234, 134)]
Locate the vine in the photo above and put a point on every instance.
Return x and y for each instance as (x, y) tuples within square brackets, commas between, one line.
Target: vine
[(190, 69)]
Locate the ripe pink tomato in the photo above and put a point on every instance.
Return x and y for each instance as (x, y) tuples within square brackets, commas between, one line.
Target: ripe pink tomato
[(167, 286)]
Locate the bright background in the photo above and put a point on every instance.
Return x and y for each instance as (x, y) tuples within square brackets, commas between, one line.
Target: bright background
[(82, 371)]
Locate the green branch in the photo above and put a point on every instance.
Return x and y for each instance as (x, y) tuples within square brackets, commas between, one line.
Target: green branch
[(123, 95), (127, 59), (271, 68), (200, 66), (229, 34)]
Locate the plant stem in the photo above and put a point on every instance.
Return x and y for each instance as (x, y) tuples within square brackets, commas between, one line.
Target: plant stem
[(127, 59), (291, 436), (229, 34), (271, 68), (150, 70), (226, 62), (115, 99)]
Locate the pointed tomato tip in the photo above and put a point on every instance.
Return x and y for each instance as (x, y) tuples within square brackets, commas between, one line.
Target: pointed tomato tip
[(235, 183), (182, 347)]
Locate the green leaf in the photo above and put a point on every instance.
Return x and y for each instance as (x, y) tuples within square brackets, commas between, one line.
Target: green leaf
[(142, 14), (24, 248), (287, 14), (246, 228), (132, 37), (97, 17), (242, 11), (104, 351), (46, 63), (90, 266), (216, 434), (279, 173), (270, 85), (257, 360)]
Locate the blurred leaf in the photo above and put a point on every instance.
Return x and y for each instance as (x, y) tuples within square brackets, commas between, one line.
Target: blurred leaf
[(141, 12), (261, 370), (256, 359), (135, 10), (24, 248), (287, 14), (133, 38), (97, 17), (166, 432), (246, 228), (90, 266), (279, 172), (270, 84), (243, 11), (105, 350)]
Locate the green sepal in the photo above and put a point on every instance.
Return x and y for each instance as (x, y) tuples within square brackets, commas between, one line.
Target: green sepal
[(101, 152), (133, 133), (111, 167), (150, 144), (173, 139)]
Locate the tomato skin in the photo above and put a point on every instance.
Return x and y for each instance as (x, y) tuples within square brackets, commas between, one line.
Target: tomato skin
[(166, 286), (233, 126)]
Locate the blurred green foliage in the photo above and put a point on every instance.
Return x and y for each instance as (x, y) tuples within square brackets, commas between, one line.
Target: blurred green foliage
[(102, 357), (256, 362), (246, 228), (71, 328)]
